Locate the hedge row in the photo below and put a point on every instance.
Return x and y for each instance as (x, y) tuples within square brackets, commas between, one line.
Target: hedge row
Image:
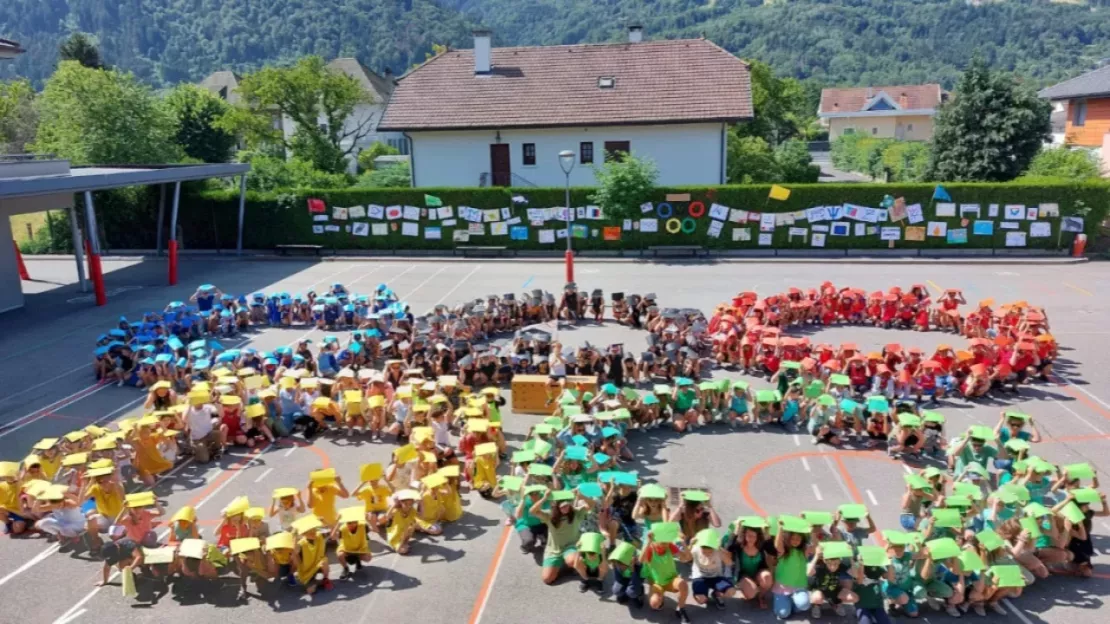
[(209, 219)]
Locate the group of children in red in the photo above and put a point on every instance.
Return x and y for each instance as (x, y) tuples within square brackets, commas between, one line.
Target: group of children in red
[(1007, 346)]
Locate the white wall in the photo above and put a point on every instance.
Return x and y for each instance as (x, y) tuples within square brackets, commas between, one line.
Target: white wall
[(11, 288), (685, 153)]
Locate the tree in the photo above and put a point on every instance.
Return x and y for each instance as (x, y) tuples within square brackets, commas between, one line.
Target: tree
[(104, 117), (1061, 162), (623, 184), (197, 113), (990, 130), (270, 173), (366, 157), (317, 99), (752, 161), (17, 116), (783, 106), (81, 48), (393, 176)]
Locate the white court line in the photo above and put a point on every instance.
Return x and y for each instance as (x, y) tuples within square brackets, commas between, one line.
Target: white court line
[(75, 609), (48, 381), (872, 497), (907, 469), (289, 452), (492, 582), (836, 473), (263, 475), (366, 275), (817, 492), (73, 617), (805, 464), (374, 595), (39, 414), (327, 280), (421, 284), (460, 283), (797, 440), (1021, 616), (1081, 389), (1081, 419)]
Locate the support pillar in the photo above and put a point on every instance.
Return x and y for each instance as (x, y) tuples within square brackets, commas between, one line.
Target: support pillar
[(173, 233), (78, 249), (242, 210), (96, 272), (161, 217)]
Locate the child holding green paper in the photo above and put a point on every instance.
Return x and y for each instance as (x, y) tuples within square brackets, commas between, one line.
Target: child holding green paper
[(628, 584), (790, 593), (563, 518), (659, 559), (871, 572), (751, 559), (824, 571), (710, 564), (589, 562), (1076, 509)]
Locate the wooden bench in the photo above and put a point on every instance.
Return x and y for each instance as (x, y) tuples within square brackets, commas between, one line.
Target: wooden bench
[(530, 392), (678, 250), (285, 250), (481, 251)]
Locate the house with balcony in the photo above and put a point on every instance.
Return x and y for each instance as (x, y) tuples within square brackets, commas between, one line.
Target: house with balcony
[(903, 112)]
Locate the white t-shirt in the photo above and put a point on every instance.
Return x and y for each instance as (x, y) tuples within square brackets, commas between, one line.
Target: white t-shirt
[(200, 421), (556, 366), (442, 433)]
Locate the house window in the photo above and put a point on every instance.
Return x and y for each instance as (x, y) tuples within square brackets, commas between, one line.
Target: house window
[(1079, 113), (401, 145), (909, 127), (849, 131), (586, 153), (323, 127), (617, 150), (529, 153), (874, 131)]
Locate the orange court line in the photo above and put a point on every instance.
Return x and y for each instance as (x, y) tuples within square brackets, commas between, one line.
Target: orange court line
[(849, 482), (491, 574), (1076, 438), (1079, 395), (1082, 291)]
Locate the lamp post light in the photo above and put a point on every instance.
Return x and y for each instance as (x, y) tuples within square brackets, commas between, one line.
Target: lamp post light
[(566, 163)]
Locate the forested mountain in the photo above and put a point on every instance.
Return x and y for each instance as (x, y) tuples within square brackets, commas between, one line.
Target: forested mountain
[(842, 42)]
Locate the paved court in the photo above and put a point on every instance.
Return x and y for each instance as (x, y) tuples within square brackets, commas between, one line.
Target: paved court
[(474, 573)]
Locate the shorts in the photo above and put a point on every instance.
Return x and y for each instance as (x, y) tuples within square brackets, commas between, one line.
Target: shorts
[(14, 517), (559, 560), (102, 522), (285, 569), (662, 588), (718, 584), (556, 377)]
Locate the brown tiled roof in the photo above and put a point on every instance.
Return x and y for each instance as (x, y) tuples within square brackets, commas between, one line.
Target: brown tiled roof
[(908, 97), (678, 81)]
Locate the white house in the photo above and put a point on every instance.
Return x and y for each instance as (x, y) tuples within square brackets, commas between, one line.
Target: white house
[(366, 117), (500, 116), (903, 112)]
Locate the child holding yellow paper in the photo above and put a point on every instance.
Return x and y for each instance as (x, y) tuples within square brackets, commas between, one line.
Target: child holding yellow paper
[(310, 557), (432, 507), (354, 410), (107, 493), (287, 505), (250, 563), (324, 486), (353, 540), (399, 521), (483, 470)]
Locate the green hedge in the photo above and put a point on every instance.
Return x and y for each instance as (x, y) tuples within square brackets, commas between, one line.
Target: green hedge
[(209, 219)]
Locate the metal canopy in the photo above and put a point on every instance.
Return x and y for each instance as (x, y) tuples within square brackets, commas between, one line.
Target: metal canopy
[(81, 179)]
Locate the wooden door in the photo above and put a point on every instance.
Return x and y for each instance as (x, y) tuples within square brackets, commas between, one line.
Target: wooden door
[(499, 165)]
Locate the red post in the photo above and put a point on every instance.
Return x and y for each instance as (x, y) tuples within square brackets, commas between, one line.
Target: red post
[(173, 262), (570, 265), (23, 275), (96, 274)]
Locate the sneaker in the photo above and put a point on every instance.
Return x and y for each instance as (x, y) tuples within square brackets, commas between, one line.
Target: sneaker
[(326, 585), (638, 602), (718, 602), (815, 441), (622, 598), (345, 575), (681, 614), (583, 586), (933, 603), (815, 612), (998, 608), (291, 580), (952, 611), (979, 610)]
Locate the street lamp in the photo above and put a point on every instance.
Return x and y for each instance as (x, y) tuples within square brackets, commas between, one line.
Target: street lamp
[(566, 163)]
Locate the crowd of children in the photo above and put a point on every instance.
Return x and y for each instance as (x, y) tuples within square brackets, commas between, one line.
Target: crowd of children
[(997, 519)]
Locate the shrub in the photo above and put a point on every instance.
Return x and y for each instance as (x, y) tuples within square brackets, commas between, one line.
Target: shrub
[(366, 157), (623, 184), (1061, 162), (394, 176)]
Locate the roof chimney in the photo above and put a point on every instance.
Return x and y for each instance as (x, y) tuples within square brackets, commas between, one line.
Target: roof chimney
[(481, 51), (635, 33)]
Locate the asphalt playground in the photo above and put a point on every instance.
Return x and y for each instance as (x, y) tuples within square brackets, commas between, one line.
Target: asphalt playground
[(474, 573)]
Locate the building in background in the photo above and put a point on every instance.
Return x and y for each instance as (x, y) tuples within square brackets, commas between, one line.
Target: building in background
[(1085, 101), (903, 112), (368, 116), (500, 116)]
